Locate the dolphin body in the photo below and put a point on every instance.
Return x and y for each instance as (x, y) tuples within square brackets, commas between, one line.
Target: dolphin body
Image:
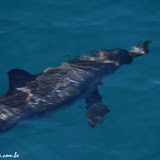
[(57, 87)]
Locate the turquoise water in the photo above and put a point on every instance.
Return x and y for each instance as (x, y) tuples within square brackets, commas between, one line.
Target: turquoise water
[(36, 34)]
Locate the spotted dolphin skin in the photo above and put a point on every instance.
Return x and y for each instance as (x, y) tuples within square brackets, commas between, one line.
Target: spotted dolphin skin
[(58, 87)]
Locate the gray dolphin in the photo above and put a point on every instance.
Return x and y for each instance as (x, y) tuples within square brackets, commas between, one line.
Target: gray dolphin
[(58, 87)]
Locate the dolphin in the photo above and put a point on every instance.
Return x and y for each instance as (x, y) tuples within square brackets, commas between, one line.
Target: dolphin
[(58, 87)]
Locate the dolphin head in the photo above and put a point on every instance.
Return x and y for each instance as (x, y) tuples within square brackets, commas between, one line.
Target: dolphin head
[(119, 56), (122, 56)]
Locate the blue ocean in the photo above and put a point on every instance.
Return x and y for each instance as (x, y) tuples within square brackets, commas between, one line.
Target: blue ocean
[(37, 34)]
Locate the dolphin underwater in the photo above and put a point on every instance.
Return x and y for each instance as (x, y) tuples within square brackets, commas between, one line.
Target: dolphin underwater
[(58, 87)]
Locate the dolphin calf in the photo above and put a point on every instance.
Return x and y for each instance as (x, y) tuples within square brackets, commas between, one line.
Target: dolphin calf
[(58, 87)]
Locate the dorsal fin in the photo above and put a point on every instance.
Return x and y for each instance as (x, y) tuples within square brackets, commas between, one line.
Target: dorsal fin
[(18, 78)]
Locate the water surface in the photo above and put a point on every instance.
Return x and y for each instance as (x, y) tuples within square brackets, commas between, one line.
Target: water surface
[(36, 34)]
